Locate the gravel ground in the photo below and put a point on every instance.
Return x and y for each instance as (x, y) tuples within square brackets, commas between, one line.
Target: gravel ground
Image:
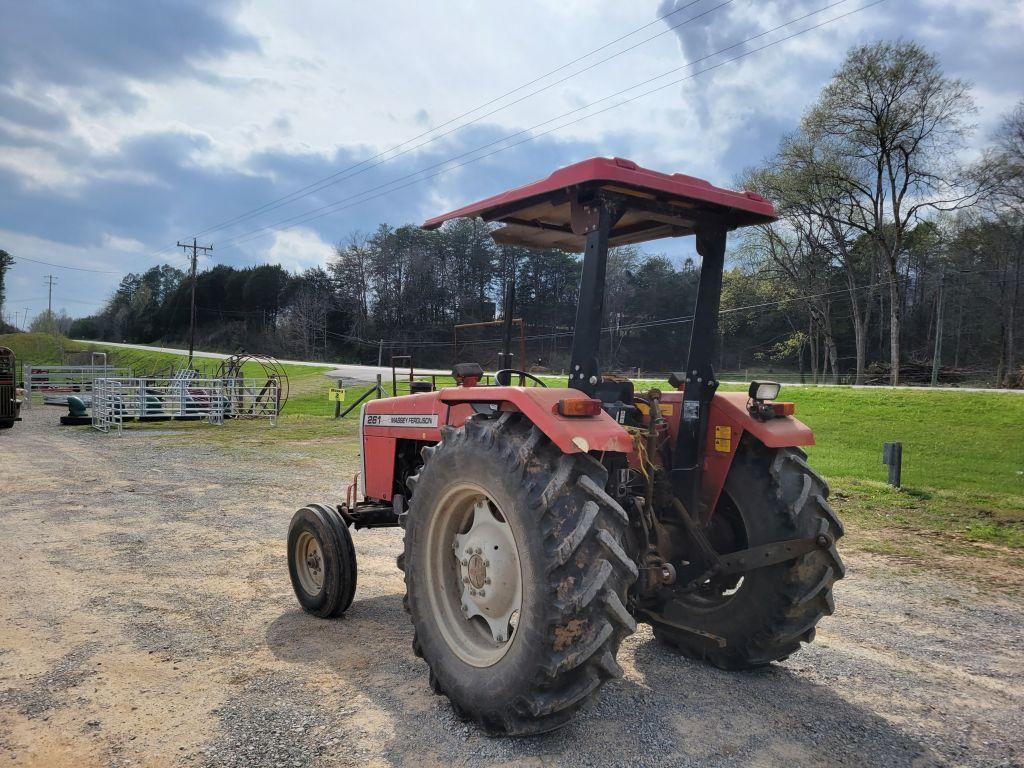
[(147, 619)]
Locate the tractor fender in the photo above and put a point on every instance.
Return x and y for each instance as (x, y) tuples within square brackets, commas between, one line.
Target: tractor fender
[(420, 417), (540, 405), (728, 421)]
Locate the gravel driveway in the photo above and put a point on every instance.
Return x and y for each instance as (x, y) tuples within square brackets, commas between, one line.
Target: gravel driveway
[(146, 618)]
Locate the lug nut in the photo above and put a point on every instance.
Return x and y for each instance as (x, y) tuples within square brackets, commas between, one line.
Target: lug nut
[(465, 562), (487, 563), (487, 580), (465, 579)]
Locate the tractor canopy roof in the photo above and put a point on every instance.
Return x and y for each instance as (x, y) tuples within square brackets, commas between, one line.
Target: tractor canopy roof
[(556, 212)]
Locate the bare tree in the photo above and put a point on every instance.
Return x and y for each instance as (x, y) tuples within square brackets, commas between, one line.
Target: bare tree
[(894, 122), (350, 271), (305, 314), (1010, 157), (787, 253), (1007, 204), (801, 180)]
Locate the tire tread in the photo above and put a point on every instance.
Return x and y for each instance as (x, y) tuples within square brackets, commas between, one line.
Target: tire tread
[(588, 572)]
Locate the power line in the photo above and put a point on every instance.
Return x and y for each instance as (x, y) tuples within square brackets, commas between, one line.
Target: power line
[(86, 303), (655, 323), (630, 326), (320, 187), (309, 188), (337, 206), (64, 266)]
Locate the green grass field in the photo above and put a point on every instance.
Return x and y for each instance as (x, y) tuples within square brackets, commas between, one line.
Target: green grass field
[(963, 452), (963, 458)]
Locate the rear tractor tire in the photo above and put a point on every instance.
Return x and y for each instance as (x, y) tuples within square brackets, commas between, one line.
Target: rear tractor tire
[(742, 623), (321, 560), (516, 575)]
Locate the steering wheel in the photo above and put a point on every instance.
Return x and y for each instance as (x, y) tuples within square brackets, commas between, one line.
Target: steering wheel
[(503, 378)]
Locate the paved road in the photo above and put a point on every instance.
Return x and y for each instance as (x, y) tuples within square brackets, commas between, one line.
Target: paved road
[(369, 372), (174, 351), (333, 370)]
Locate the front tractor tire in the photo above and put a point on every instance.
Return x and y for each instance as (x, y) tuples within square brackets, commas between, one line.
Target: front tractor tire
[(742, 623), (516, 575), (321, 560)]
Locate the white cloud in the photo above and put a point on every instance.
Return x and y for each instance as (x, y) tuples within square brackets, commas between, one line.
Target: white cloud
[(298, 249), (128, 244), (39, 169)]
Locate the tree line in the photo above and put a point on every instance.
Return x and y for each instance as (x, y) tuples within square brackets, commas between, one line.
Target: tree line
[(892, 255)]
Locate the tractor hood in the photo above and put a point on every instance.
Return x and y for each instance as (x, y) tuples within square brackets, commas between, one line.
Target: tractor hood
[(553, 212)]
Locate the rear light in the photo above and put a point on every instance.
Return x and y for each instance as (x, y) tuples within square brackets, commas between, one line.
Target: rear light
[(763, 390), (578, 407), (783, 409)]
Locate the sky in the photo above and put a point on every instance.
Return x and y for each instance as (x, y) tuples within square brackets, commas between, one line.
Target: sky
[(126, 127)]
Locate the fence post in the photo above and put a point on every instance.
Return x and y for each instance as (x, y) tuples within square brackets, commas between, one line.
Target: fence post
[(892, 456)]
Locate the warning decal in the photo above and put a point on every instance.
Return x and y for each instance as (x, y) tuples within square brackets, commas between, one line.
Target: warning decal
[(723, 439), (415, 420)]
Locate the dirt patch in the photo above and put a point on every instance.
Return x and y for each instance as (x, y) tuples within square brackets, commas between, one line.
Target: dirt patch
[(146, 619)]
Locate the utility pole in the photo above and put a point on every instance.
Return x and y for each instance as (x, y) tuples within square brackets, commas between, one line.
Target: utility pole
[(50, 280), (192, 317), (938, 331)]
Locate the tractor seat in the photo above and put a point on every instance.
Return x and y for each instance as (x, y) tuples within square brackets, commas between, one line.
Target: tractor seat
[(467, 371), (614, 391)]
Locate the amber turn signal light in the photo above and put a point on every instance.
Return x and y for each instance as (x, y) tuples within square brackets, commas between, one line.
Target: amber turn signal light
[(783, 409), (578, 407)]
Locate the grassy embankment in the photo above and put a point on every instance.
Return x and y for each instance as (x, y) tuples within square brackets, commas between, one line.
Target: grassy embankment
[(963, 473)]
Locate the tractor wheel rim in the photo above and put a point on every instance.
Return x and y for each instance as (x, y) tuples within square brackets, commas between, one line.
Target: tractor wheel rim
[(309, 563), (474, 577)]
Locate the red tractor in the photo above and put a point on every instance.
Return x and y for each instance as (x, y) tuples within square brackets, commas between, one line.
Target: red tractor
[(10, 402), (542, 524)]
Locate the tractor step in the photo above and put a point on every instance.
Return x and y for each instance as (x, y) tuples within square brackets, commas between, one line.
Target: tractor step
[(369, 514)]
